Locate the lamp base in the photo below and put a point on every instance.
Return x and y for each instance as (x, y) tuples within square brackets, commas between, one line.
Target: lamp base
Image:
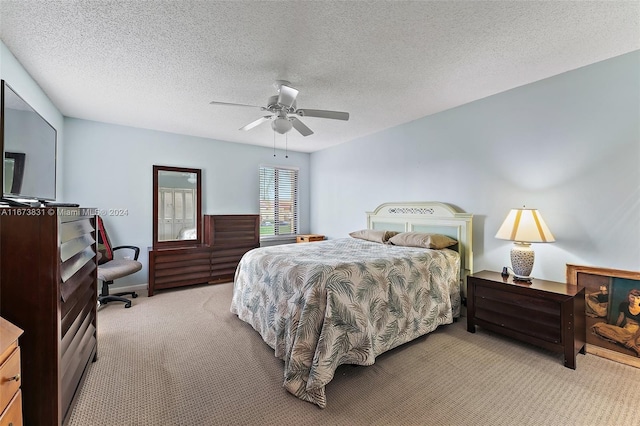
[(522, 257), (527, 279)]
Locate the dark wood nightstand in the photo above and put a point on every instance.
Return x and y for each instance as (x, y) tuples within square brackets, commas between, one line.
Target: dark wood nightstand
[(544, 313)]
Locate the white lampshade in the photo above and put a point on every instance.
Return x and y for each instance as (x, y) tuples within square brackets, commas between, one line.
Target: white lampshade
[(524, 226)]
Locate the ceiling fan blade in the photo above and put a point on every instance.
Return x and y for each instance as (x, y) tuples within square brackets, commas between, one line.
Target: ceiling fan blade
[(335, 115), (300, 127), (256, 122), (287, 96), (232, 104)]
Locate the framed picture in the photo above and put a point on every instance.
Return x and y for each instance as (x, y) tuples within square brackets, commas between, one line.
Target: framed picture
[(612, 311)]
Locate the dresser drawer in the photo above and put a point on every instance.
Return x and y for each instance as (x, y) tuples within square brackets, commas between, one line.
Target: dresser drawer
[(522, 313), (519, 301), (12, 416), (10, 377), (530, 325), (8, 351)]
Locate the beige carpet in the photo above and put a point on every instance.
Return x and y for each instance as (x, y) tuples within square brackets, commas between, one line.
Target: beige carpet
[(181, 358)]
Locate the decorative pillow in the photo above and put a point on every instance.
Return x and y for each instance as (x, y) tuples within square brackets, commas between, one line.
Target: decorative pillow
[(104, 245), (377, 236), (422, 239)]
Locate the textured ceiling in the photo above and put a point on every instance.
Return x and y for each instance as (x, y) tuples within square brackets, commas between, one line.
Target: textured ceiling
[(158, 64)]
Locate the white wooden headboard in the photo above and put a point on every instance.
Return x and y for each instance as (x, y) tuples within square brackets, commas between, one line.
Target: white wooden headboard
[(433, 217)]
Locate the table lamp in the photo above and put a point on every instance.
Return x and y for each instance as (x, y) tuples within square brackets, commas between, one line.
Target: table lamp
[(523, 227)]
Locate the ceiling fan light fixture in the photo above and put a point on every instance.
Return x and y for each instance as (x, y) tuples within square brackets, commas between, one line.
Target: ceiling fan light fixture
[(283, 111), (281, 125)]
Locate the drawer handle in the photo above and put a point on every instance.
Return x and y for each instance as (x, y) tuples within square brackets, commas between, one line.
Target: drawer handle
[(16, 378)]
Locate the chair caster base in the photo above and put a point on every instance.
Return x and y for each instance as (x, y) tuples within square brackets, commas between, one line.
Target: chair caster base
[(103, 300)]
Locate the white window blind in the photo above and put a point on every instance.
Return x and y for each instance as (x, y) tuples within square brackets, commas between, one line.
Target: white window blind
[(278, 201)]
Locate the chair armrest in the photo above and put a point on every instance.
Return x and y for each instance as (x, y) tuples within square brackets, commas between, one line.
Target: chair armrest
[(134, 248)]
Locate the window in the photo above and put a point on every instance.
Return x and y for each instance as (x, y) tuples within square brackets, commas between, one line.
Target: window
[(278, 201)]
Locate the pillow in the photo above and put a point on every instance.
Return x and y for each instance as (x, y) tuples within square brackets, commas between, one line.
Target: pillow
[(421, 239), (377, 236), (187, 234)]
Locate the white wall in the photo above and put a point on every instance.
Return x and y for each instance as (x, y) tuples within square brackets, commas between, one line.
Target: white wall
[(568, 145), (109, 167)]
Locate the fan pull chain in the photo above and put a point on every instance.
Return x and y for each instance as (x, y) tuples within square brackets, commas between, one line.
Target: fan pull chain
[(286, 145), (274, 143)]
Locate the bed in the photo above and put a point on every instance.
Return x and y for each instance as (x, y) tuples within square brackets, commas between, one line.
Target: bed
[(347, 300)]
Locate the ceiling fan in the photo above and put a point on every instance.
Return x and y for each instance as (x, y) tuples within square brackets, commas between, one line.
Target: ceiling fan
[(283, 112)]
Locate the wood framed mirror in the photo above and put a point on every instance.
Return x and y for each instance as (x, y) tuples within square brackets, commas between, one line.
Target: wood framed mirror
[(177, 201)]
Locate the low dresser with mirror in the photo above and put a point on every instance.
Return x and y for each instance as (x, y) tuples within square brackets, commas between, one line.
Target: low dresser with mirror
[(190, 248)]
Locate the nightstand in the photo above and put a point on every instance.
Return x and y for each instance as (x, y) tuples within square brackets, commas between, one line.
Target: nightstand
[(309, 238), (544, 313), (10, 379)]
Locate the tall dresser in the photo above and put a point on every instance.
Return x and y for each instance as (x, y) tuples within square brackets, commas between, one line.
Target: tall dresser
[(48, 288)]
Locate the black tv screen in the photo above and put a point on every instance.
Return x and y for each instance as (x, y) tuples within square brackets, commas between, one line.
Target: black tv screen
[(29, 150)]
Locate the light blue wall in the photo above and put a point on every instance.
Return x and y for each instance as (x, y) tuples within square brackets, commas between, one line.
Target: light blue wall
[(110, 167), (568, 145)]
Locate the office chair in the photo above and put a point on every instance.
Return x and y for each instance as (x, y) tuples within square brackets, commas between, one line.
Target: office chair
[(110, 269)]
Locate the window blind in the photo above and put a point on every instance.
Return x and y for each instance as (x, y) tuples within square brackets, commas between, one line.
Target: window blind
[(278, 201)]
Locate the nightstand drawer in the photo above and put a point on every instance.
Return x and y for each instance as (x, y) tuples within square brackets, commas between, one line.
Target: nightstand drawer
[(10, 377), (516, 301), (526, 323), (13, 414), (485, 307), (309, 238)]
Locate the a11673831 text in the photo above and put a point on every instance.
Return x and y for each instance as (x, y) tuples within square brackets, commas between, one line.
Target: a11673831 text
[(61, 211)]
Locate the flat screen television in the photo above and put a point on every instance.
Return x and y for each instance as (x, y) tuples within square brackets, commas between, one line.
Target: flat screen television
[(28, 145)]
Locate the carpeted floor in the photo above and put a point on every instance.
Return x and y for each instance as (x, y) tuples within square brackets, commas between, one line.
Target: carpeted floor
[(181, 358)]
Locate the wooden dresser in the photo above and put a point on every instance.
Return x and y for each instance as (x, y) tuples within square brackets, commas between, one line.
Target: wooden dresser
[(226, 239), (10, 378), (48, 285), (548, 314)]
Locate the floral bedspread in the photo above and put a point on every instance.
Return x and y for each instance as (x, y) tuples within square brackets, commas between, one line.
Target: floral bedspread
[(344, 301)]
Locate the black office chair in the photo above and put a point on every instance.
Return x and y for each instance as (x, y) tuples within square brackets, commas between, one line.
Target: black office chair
[(110, 269)]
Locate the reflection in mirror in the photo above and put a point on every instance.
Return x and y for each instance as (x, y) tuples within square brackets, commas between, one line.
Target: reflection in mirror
[(13, 172), (176, 205), (176, 211)]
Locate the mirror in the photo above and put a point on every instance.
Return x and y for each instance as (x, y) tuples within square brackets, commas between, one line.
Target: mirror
[(176, 206)]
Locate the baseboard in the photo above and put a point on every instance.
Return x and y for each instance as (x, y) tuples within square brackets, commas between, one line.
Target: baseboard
[(138, 288)]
